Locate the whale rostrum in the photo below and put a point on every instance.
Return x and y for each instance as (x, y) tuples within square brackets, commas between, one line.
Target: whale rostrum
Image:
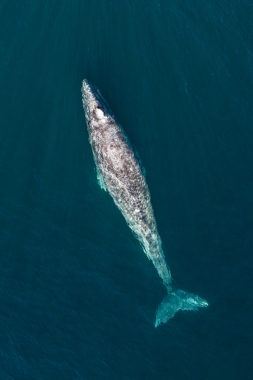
[(120, 173)]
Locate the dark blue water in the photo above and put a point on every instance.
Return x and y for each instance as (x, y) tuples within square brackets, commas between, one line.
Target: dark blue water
[(77, 294)]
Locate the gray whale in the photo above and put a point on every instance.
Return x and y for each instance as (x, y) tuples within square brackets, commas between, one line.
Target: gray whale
[(120, 173)]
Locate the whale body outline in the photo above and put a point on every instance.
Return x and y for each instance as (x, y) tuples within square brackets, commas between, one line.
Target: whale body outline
[(120, 173)]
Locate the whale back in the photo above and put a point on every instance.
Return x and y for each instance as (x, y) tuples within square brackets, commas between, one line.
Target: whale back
[(120, 172)]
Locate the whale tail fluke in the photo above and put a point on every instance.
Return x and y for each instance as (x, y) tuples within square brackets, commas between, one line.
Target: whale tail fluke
[(178, 300)]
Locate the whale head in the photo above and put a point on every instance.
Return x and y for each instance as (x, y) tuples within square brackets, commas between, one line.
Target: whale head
[(94, 104)]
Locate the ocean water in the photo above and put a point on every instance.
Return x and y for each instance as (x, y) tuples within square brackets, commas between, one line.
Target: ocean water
[(78, 295)]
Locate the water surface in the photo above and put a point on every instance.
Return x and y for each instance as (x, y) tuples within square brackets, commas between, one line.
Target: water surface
[(78, 295)]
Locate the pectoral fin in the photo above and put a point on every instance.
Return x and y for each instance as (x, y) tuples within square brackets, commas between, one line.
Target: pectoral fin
[(100, 180)]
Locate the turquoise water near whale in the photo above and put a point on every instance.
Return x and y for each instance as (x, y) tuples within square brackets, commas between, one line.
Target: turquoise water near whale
[(78, 295)]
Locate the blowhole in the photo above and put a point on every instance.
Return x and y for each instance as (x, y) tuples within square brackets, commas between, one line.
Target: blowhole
[(99, 113)]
